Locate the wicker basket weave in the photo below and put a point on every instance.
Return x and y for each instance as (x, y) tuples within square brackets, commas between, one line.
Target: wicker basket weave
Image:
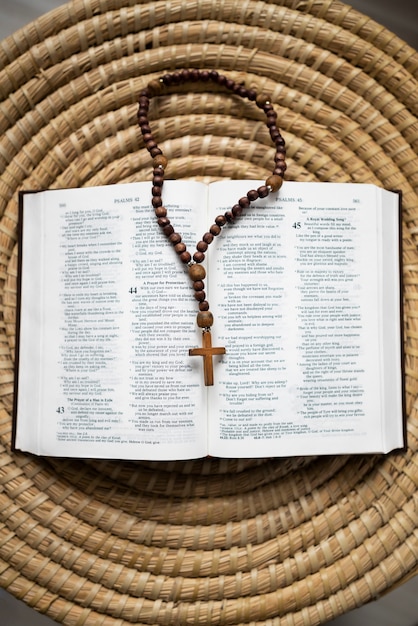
[(274, 542)]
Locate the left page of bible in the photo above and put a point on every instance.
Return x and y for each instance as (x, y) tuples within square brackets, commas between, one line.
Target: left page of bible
[(107, 319)]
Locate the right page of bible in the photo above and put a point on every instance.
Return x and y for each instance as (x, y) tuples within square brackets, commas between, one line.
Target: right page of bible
[(305, 291)]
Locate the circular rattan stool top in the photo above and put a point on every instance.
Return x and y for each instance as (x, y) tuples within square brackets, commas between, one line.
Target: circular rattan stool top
[(268, 541)]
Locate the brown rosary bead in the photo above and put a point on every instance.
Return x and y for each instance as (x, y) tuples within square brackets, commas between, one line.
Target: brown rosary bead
[(198, 285), (156, 201), (160, 211), (142, 118), (175, 238), (160, 161), (168, 230), (274, 182), (180, 248), (215, 230), (202, 246), (207, 238), (204, 306), (204, 319), (151, 145), (155, 151), (252, 195), (244, 202), (263, 191), (280, 155), (261, 100), (200, 295), (157, 181), (143, 101), (280, 165), (220, 220), (197, 272), (236, 210), (146, 129), (185, 257), (271, 118), (199, 257), (155, 87)]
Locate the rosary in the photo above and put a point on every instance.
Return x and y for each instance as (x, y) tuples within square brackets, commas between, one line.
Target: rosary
[(197, 272)]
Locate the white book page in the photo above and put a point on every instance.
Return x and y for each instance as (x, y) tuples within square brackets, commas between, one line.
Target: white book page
[(107, 319), (295, 290)]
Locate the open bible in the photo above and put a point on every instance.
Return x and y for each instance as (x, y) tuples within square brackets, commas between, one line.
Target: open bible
[(306, 297)]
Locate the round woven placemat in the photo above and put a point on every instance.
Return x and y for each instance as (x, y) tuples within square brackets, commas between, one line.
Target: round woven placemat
[(268, 541)]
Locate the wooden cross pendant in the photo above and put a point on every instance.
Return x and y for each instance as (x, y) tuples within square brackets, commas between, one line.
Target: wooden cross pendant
[(207, 352)]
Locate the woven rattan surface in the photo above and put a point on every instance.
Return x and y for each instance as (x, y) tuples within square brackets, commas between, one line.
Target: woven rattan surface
[(268, 541)]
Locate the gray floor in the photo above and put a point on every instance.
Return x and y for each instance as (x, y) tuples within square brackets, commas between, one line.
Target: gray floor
[(400, 607)]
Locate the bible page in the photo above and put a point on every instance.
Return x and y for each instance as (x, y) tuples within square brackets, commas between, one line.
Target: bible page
[(107, 319), (297, 295)]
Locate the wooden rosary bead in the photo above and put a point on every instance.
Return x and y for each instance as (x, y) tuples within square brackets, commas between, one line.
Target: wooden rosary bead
[(185, 75), (168, 230), (263, 191), (280, 155), (280, 165), (271, 119), (155, 151), (261, 100), (157, 181), (160, 161), (175, 238), (202, 246), (204, 306), (198, 285), (244, 202), (252, 195), (204, 319), (143, 102), (274, 182), (145, 127), (215, 230), (151, 145), (160, 211), (180, 247), (185, 257), (236, 210), (199, 257), (220, 220), (200, 295), (156, 201), (197, 272), (275, 135), (207, 238), (155, 87)]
